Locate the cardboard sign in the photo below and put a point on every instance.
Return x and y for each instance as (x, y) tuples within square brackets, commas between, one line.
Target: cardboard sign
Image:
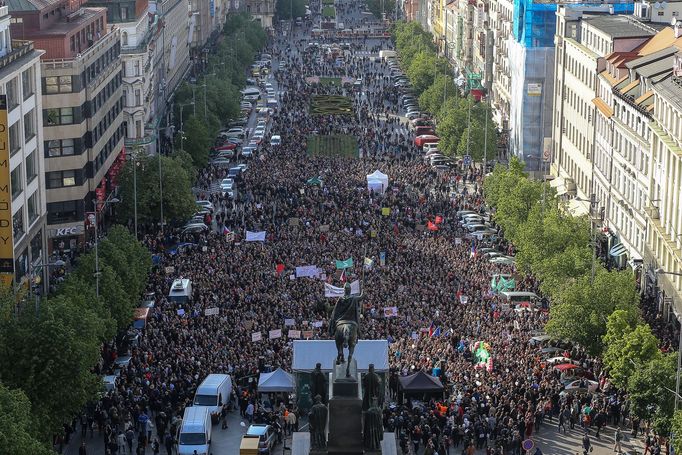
[(256, 336), (307, 334), (169, 270), (212, 311), (294, 334)]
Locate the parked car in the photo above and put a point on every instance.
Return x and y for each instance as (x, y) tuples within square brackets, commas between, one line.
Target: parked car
[(266, 436), (275, 140), (419, 141), (194, 228)]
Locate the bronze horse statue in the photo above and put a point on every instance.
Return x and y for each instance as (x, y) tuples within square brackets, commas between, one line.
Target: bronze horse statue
[(344, 326)]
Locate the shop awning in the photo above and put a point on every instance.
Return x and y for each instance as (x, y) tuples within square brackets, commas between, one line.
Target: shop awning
[(578, 208), (563, 186), (618, 250)]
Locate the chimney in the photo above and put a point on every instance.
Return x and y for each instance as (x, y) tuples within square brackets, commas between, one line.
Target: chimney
[(678, 30)]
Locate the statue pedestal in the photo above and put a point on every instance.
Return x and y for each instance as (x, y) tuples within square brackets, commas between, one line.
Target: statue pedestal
[(345, 426), (345, 412)]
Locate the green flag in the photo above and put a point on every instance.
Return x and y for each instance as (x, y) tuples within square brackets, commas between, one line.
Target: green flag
[(344, 264), (314, 181)]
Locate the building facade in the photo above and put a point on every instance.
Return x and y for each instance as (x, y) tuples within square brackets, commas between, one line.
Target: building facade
[(23, 246), (262, 11), (82, 112)]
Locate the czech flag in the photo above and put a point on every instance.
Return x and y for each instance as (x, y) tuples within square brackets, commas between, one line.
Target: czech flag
[(436, 333), (431, 226), (432, 329)]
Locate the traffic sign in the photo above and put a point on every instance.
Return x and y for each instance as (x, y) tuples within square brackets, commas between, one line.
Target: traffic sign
[(466, 159), (528, 444)]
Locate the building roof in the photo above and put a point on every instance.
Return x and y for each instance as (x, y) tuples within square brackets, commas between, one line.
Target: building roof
[(603, 107), (63, 27), (647, 59), (618, 26), (664, 38), (670, 89), (31, 5)]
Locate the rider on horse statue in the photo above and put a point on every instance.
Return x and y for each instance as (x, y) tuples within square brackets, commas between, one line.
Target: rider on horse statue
[(344, 324)]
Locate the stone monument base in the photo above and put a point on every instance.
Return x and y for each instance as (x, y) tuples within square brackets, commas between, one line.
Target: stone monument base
[(345, 426)]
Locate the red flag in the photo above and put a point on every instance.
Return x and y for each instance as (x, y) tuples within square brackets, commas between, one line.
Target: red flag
[(431, 227), (279, 269), (439, 219)]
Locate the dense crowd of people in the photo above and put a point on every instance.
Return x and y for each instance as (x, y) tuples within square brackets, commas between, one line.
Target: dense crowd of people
[(426, 274)]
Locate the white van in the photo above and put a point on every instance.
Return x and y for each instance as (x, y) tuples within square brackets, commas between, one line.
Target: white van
[(180, 291), (195, 432), (250, 91), (213, 393), (387, 54)]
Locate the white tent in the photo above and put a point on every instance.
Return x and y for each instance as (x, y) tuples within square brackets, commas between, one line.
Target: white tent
[(277, 381), (309, 352), (377, 181)]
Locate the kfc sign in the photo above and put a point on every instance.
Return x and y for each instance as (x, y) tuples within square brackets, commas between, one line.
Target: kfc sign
[(67, 231)]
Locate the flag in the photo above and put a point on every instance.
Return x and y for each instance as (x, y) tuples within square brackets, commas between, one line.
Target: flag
[(385, 211), (277, 333), (432, 328), (473, 249), (342, 276), (344, 264), (279, 268), (447, 333), (368, 263), (439, 219), (431, 227), (436, 333), (334, 291), (255, 236), (225, 230), (314, 181)]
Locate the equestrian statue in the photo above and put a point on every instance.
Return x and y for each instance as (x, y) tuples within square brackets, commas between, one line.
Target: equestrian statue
[(344, 325)]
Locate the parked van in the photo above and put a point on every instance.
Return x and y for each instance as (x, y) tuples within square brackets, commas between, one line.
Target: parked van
[(213, 393), (421, 130), (386, 54), (195, 432), (180, 291), (517, 297), (250, 91)]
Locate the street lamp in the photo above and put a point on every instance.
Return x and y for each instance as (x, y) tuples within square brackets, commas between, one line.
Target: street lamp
[(34, 285), (660, 271), (104, 204), (182, 130)]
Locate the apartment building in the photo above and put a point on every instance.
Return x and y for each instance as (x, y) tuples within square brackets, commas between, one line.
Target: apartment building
[(262, 11), (171, 60), (663, 248), (138, 32), (501, 13), (82, 111), (22, 197)]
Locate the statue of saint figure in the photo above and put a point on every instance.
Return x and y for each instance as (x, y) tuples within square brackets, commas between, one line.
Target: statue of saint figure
[(317, 422)]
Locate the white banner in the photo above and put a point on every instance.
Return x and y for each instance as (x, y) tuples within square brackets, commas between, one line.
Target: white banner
[(211, 311), (463, 299), (289, 322), (333, 291), (391, 312), (255, 236), (277, 333), (317, 324), (310, 271), (294, 334), (256, 336)]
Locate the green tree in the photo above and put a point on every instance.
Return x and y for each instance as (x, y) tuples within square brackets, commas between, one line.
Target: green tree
[(562, 268), (376, 7), (503, 178), (16, 435), (516, 205), (284, 9), (178, 200), (650, 388), (451, 126), (627, 348), (434, 97), (197, 141), (424, 68), (580, 309), (676, 428), (50, 358), (474, 140)]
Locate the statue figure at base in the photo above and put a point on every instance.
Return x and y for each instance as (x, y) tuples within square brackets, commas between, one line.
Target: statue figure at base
[(317, 422), (318, 383), (373, 429), (345, 325), (371, 386)]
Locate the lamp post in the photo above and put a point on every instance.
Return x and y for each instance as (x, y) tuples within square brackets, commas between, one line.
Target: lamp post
[(660, 271), (57, 263), (96, 204)]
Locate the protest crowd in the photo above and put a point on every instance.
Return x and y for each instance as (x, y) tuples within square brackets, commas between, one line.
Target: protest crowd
[(430, 295)]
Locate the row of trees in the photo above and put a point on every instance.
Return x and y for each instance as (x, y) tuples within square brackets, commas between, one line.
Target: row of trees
[(49, 349), (205, 106), (592, 306), (460, 121)]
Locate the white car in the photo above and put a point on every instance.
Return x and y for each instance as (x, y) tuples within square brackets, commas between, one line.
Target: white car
[(227, 184), (248, 151), (586, 386), (205, 204), (413, 115), (276, 140), (430, 147), (193, 228)]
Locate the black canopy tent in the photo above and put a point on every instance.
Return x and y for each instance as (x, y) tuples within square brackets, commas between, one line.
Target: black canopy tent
[(420, 384)]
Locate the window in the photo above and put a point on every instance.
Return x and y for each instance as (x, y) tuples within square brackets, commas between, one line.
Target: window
[(62, 212), (60, 179), (12, 91), (59, 116), (124, 38), (124, 13), (31, 167), (14, 138), (29, 125), (27, 82), (32, 208), (64, 147), (36, 242), (58, 84), (18, 224), (15, 182), (138, 97)]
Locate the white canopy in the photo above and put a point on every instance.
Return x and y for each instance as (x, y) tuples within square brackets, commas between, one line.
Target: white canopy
[(277, 381), (377, 181), (309, 352)]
